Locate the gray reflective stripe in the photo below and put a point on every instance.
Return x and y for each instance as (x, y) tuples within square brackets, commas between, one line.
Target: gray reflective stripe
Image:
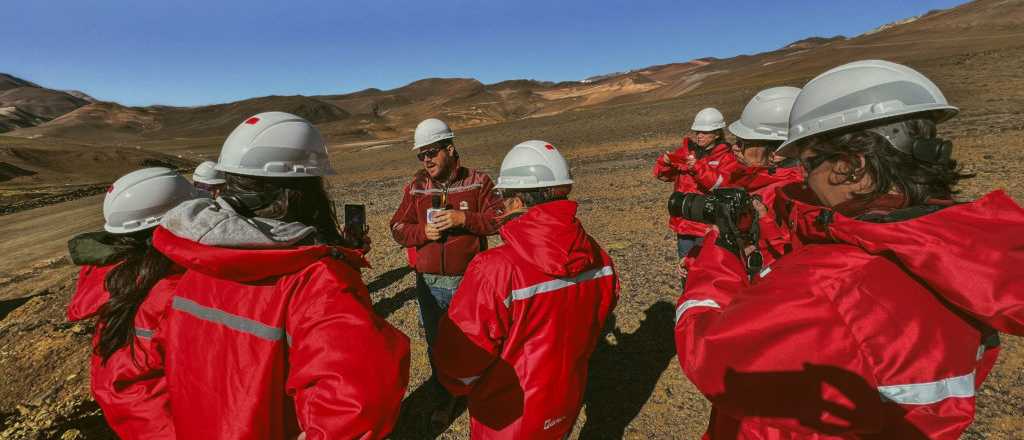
[(718, 182), (468, 380), (234, 322), (767, 270), (451, 190), (929, 392), (558, 283), (691, 303), (143, 332)]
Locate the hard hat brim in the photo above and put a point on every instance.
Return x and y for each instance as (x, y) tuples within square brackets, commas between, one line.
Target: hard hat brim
[(742, 131)]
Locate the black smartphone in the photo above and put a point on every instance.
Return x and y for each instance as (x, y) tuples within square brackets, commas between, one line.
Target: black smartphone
[(355, 221)]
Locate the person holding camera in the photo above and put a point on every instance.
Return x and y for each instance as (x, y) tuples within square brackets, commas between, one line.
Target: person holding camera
[(270, 332), (519, 333), (762, 128), (446, 214), (675, 167), (884, 321)]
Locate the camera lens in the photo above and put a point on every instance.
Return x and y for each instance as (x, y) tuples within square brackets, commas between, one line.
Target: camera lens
[(689, 206)]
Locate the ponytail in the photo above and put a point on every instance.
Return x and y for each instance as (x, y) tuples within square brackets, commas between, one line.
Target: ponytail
[(129, 284)]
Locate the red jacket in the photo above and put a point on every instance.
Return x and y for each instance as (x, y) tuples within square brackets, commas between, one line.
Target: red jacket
[(865, 329), (759, 181), (467, 190), (130, 386), (729, 172), (265, 343), (681, 176), (523, 323)]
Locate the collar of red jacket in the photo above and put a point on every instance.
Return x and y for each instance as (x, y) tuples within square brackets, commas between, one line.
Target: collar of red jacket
[(245, 265), (968, 253), (551, 238)]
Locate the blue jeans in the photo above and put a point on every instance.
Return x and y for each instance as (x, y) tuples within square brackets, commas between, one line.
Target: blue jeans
[(434, 295), (685, 245)]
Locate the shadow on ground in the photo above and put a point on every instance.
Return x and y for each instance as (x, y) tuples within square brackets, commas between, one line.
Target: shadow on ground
[(622, 376)]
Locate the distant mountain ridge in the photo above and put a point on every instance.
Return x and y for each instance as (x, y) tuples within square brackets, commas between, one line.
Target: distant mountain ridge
[(370, 114)]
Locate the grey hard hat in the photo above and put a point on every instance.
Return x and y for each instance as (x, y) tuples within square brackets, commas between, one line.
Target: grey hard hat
[(861, 92), (139, 199), (766, 116)]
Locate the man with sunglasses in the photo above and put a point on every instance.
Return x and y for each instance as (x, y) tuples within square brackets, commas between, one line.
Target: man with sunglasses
[(445, 216)]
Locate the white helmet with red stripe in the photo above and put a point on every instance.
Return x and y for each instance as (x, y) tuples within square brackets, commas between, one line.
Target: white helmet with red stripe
[(275, 144), (139, 199), (533, 164)]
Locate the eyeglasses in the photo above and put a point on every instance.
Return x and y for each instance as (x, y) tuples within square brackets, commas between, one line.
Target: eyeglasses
[(431, 153), (813, 162)]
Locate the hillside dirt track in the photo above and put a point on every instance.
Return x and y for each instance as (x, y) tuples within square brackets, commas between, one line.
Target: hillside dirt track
[(636, 387)]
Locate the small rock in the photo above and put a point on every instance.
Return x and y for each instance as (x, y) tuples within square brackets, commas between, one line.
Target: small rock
[(71, 434), (79, 329)]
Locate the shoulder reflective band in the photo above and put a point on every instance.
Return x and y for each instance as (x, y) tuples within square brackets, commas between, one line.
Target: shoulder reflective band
[(558, 283), (718, 182), (144, 333), (929, 392), (691, 303), (232, 321), (451, 190)]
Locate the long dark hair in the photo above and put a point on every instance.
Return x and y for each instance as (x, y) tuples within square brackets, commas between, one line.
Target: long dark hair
[(288, 199), (891, 169), (128, 284)]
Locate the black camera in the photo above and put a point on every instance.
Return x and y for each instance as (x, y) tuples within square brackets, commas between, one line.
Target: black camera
[(732, 210)]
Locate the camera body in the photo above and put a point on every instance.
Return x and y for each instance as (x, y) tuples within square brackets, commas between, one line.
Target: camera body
[(732, 210)]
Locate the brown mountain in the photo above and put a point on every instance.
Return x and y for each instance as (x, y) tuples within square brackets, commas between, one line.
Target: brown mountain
[(30, 103), (929, 42)]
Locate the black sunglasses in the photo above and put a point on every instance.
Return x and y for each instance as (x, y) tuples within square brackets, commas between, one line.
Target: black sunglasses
[(813, 162), (431, 153)]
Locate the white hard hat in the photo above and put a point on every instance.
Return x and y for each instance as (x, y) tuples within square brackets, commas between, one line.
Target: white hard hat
[(859, 92), (766, 116), (207, 173), (275, 144), (709, 119), (429, 131), (533, 164), (140, 198)]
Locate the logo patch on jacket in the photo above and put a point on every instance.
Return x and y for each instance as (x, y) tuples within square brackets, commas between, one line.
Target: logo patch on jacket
[(463, 205), (550, 423)]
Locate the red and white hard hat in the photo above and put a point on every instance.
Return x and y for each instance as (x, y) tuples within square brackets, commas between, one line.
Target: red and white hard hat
[(533, 164), (275, 144)]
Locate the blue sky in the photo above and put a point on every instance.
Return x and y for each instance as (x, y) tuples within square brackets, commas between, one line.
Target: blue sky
[(191, 53)]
